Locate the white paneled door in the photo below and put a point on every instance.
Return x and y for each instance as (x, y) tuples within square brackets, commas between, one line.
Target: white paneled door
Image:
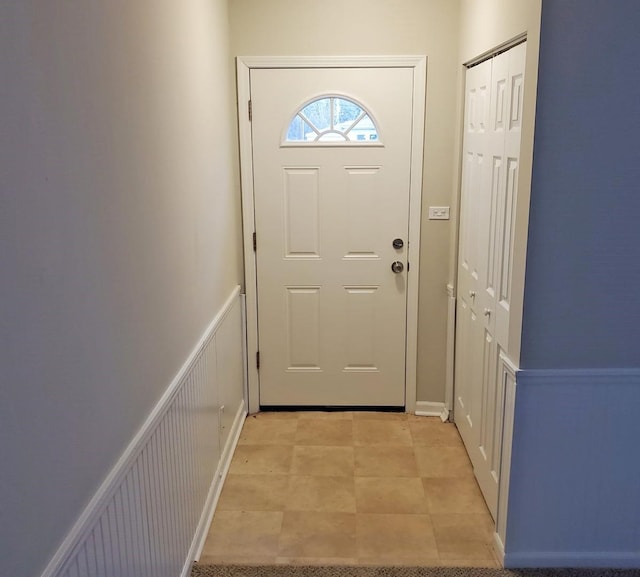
[(491, 150), (331, 169)]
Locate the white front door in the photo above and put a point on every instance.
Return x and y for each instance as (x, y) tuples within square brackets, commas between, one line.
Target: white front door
[(332, 154)]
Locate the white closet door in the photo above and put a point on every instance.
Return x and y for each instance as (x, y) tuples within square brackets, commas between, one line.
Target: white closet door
[(473, 228), (493, 116)]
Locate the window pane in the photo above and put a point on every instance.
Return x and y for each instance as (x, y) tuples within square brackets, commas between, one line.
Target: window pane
[(319, 113), (363, 130), (296, 131), (300, 131), (344, 113)]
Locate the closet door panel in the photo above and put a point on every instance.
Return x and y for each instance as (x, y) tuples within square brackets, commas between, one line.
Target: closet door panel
[(475, 177), (515, 64), (468, 394)]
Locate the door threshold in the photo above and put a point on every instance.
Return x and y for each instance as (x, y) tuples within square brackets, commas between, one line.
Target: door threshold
[(330, 408)]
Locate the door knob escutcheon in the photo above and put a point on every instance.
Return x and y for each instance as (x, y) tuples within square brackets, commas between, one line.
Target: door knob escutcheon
[(397, 267)]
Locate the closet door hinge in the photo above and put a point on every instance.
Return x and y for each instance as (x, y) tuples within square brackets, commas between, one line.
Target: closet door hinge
[(258, 360), (250, 109), (255, 242)]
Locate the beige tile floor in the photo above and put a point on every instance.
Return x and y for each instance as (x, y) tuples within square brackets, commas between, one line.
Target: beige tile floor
[(354, 488)]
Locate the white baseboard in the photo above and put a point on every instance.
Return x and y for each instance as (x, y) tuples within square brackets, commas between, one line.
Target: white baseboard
[(498, 548), (216, 488), (428, 409)]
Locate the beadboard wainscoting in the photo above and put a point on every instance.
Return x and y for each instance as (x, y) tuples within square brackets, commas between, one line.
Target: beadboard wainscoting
[(508, 372), (574, 496), (150, 516)]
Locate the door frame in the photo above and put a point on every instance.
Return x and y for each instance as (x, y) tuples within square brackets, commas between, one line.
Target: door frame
[(244, 65)]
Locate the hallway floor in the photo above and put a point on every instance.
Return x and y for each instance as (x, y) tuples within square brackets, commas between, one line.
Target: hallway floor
[(352, 488)]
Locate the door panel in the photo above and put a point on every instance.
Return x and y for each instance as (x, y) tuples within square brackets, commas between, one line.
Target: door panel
[(301, 213), (515, 92), (331, 313)]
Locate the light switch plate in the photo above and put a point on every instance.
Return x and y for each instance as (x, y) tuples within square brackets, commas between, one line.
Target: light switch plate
[(438, 213)]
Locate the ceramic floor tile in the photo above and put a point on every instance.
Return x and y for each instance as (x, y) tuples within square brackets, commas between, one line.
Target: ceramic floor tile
[(443, 461), (330, 433), (323, 461), (311, 534), (381, 433), (457, 549), (268, 431), (464, 526), (390, 495), (454, 495), (254, 493), (412, 417), (261, 459), (336, 494), (277, 415), (317, 561), (479, 563), (326, 415), (385, 462), (396, 538), (432, 432), (246, 559), (401, 562), (244, 533), (379, 416)]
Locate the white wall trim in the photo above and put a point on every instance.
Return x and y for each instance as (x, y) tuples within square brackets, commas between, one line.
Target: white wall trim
[(397, 61), (427, 409), (560, 377), (498, 548), (451, 347), (215, 490), (248, 228), (244, 64), (92, 513)]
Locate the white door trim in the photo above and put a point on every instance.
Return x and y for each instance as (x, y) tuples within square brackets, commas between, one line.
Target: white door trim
[(244, 64)]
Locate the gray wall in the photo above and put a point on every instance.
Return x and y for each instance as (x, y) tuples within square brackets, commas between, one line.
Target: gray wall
[(583, 265), (119, 238), (574, 496)]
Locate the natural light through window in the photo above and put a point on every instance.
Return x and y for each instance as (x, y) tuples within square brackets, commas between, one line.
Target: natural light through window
[(332, 119)]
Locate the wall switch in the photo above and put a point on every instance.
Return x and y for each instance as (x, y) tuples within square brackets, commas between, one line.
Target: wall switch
[(438, 213)]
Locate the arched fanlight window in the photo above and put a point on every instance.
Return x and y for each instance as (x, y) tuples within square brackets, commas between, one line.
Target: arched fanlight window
[(332, 119)]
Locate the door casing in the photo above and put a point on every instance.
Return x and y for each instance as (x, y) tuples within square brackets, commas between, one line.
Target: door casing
[(418, 64)]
